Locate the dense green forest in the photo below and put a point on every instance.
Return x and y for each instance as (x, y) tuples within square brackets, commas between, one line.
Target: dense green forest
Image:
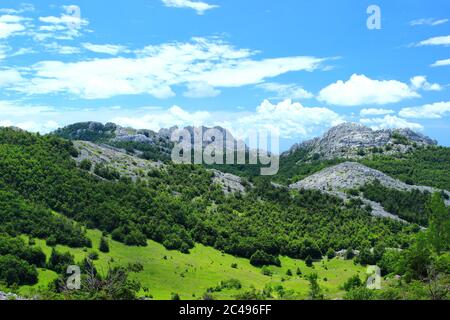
[(408, 205), (428, 166)]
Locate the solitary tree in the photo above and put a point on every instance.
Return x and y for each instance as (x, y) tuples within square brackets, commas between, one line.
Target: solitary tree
[(104, 245)]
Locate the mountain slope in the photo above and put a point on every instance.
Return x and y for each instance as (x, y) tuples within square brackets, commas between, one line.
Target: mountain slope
[(340, 179)]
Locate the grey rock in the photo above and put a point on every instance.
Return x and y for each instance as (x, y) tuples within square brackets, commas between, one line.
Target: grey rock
[(9, 296), (351, 175), (346, 141), (229, 182)]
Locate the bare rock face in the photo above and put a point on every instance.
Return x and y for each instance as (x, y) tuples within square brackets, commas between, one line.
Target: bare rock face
[(127, 165), (348, 140), (229, 182), (351, 175)]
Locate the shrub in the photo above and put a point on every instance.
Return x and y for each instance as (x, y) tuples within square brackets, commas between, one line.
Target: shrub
[(352, 283), (14, 271), (261, 258), (86, 164), (309, 261), (104, 245)]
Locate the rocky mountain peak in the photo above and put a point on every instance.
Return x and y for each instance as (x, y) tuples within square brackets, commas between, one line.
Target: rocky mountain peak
[(353, 140)]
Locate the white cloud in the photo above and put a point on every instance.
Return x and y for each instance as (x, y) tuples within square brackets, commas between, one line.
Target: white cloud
[(441, 63), (9, 77), (65, 27), (33, 126), (24, 7), (3, 51), (436, 41), (27, 117), (291, 120), (61, 49), (286, 91), (156, 69), (421, 83), (428, 22), (361, 90), (11, 25), (200, 90), (390, 122), (174, 116), (105, 48), (375, 112), (429, 111), (199, 6), (17, 109)]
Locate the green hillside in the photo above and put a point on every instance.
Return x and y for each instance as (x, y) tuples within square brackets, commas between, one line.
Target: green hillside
[(191, 275)]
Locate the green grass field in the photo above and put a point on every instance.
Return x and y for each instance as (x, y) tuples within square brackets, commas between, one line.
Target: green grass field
[(190, 275)]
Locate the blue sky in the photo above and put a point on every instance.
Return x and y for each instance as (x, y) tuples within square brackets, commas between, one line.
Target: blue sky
[(297, 66)]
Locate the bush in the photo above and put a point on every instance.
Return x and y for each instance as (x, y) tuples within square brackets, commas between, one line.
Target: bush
[(93, 255), (14, 271), (261, 258), (59, 262), (360, 293), (352, 283), (175, 297), (309, 261), (86, 164), (104, 245), (331, 254)]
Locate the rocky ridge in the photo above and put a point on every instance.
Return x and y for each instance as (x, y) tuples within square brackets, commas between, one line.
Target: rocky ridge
[(351, 175), (353, 140)]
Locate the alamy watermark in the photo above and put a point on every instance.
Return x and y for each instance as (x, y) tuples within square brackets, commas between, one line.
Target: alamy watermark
[(374, 20), (73, 16), (214, 146), (74, 280), (374, 279)]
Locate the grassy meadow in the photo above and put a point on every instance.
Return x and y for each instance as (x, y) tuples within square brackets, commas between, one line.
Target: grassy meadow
[(190, 275)]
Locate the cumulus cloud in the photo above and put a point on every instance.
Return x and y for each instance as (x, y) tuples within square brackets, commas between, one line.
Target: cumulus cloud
[(390, 122), (286, 91), (421, 83), (289, 119), (199, 6), (429, 111), (105, 48), (441, 63), (174, 116), (436, 41), (155, 69), (375, 112), (428, 22), (361, 90)]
